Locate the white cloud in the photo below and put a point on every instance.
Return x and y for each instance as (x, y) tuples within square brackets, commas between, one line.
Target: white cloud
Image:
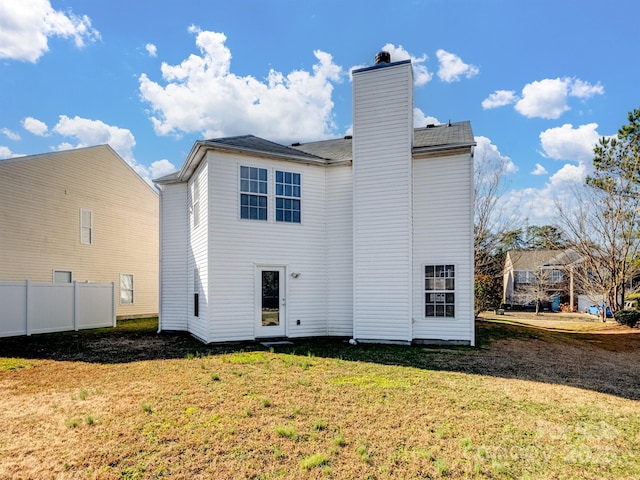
[(545, 99), (568, 143), (583, 89), (26, 25), (11, 135), (539, 170), (152, 50), (95, 132), (421, 74), (548, 98), (202, 95), (161, 168), (499, 98), (5, 152), (538, 206), (486, 152), (452, 68), (35, 126), (422, 120), (569, 174)]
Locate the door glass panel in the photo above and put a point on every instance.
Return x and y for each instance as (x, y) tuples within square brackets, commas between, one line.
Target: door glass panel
[(270, 298)]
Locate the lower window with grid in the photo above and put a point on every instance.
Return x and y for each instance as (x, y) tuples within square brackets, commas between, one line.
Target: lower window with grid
[(440, 294)]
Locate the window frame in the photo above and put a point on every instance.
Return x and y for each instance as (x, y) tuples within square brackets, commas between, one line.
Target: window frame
[(528, 276), (86, 228), (55, 271), (556, 276), (288, 191), (132, 289), (251, 189), (442, 288)]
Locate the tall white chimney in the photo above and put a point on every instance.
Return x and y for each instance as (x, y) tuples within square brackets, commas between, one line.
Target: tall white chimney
[(382, 200)]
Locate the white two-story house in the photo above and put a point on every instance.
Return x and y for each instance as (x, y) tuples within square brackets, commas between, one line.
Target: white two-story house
[(368, 236)]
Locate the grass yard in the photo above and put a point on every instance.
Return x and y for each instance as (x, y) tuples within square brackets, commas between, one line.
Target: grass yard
[(541, 397)]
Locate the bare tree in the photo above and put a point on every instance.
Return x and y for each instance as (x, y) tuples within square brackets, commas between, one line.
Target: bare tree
[(602, 225), (602, 230), (490, 227)]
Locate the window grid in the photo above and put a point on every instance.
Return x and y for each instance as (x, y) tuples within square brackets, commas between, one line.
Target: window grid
[(253, 193), (287, 197), (86, 226), (126, 289), (439, 290)]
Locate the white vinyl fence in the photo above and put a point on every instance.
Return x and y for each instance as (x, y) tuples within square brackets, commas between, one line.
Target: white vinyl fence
[(33, 307)]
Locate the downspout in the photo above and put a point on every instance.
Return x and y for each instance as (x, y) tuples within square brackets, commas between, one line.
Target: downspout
[(160, 262)]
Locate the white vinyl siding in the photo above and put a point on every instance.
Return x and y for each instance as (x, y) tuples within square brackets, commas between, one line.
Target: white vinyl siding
[(237, 247), (382, 140), (174, 294), (339, 205), (447, 203), (195, 199), (86, 226), (198, 258)]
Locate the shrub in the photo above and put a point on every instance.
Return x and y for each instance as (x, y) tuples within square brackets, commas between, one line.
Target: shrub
[(629, 318)]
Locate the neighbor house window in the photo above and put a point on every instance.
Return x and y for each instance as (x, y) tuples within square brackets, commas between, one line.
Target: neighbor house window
[(524, 276), (253, 193), (86, 226), (195, 202), (555, 276), (287, 197), (62, 276), (439, 290), (126, 289)]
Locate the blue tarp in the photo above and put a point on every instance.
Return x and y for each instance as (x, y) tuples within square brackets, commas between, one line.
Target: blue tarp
[(597, 309)]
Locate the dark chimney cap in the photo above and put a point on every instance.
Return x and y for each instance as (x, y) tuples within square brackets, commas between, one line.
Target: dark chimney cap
[(383, 57)]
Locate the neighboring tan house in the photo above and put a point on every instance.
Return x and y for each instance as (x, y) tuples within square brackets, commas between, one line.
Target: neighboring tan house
[(81, 215), (369, 237), (524, 268)]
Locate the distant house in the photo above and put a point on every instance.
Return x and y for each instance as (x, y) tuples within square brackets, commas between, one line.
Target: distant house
[(369, 236), (524, 268), (81, 215)]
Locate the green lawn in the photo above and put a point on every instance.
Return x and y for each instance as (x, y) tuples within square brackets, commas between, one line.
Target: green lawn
[(534, 400)]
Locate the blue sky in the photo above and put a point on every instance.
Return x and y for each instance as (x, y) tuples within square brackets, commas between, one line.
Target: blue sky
[(540, 81)]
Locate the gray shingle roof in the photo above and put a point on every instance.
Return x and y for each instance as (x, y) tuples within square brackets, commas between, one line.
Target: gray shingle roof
[(257, 144), (448, 134), (336, 150), (429, 138)]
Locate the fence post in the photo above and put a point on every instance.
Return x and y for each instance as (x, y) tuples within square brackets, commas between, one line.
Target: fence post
[(113, 303), (27, 310), (75, 305)]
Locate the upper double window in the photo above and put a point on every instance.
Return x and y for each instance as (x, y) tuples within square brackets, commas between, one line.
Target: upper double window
[(254, 195), (287, 197)]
